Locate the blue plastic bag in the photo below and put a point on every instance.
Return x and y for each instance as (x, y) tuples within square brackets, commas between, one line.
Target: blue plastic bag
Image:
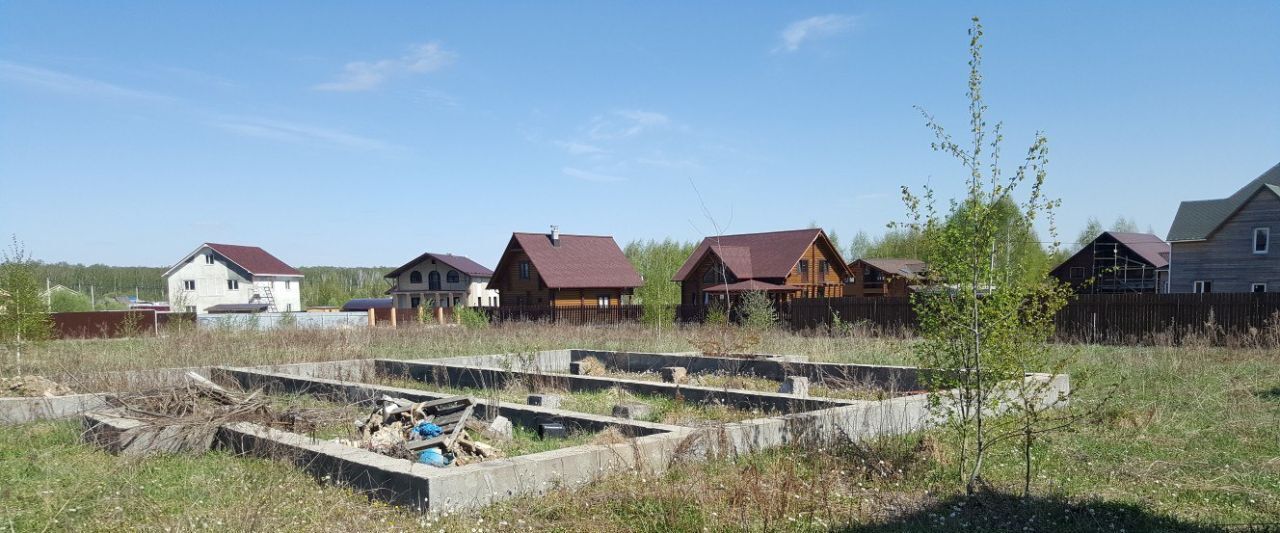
[(427, 430), (433, 457)]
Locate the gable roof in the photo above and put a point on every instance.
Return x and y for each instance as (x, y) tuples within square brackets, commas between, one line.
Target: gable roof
[(252, 259), (457, 262), (1152, 249), (1197, 219), (757, 255), (578, 262), (907, 268)]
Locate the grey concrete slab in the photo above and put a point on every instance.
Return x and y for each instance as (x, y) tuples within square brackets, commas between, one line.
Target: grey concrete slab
[(22, 410)]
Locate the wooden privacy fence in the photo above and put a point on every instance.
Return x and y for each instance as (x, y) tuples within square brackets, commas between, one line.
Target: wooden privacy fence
[(1089, 317), (614, 314)]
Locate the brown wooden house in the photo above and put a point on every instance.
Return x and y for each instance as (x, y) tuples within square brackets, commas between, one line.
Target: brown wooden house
[(551, 269), (784, 264), (1117, 262), (883, 277)]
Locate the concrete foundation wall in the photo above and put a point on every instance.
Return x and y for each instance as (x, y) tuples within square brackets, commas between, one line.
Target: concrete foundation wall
[(898, 378), (32, 409), (474, 377)]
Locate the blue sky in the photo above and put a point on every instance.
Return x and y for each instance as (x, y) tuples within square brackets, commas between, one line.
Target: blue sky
[(353, 134)]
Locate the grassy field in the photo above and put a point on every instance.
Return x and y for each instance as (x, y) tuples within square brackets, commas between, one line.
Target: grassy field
[(1190, 440)]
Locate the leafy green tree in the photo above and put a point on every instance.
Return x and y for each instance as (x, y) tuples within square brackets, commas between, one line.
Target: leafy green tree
[(859, 246), (657, 262), (989, 313), (66, 301), (23, 320)]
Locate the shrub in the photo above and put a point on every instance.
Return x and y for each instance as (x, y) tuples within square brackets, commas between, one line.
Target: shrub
[(470, 317), (757, 311)]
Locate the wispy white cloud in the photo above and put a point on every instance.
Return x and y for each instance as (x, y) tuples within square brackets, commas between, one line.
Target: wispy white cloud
[(278, 130), (580, 148), (72, 84), (587, 175), (625, 123), (369, 75), (796, 33)]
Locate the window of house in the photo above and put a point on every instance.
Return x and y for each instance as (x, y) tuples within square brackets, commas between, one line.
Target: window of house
[(288, 308), (524, 270), (804, 267), (191, 308), (415, 277), (415, 301), (456, 300), (287, 284), (1077, 272), (602, 300), (188, 284), (433, 281), (1201, 287), (822, 267), (233, 284), (452, 276), (1261, 240), (1258, 287), (208, 259)]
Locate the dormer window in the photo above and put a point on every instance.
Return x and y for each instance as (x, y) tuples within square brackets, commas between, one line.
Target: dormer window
[(1261, 240)]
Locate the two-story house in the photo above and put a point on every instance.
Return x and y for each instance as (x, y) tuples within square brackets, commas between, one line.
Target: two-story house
[(551, 269), (1117, 262), (218, 278), (1224, 245), (878, 277), (441, 280), (783, 264)]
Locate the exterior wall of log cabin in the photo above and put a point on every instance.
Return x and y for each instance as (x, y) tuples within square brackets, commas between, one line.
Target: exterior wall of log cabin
[(518, 291), (815, 282), (1226, 258), (889, 285), (691, 290), (533, 291)]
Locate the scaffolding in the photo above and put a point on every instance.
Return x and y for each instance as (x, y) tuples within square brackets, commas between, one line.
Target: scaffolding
[(1117, 270)]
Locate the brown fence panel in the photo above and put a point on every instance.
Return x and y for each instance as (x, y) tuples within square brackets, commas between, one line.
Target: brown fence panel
[(1103, 318), (614, 314), (103, 324)]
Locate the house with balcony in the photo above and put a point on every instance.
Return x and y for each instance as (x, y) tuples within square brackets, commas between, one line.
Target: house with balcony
[(441, 280), (783, 264), (230, 278), (875, 278)]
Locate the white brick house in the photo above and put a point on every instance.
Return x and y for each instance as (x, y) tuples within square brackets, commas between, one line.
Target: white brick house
[(441, 280), (231, 278)]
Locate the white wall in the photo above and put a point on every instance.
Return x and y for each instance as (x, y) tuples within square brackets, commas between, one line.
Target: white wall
[(211, 286)]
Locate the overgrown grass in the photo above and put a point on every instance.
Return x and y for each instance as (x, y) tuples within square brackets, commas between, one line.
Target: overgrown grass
[(1191, 437)]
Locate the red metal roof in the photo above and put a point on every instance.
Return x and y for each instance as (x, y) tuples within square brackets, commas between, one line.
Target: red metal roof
[(755, 255), (1151, 248), (460, 263), (578, 262), (253, 259)]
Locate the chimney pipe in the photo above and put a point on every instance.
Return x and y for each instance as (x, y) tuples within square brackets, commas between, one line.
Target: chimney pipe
[(555, 235)]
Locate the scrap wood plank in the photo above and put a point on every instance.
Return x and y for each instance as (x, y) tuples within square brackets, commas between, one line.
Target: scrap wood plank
[(458, 427)]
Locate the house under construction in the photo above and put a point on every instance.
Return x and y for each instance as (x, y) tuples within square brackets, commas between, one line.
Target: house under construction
[(1118, 263)]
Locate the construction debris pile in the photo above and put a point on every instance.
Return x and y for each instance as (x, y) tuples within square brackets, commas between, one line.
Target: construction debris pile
[(202, 403), (437, 432)]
